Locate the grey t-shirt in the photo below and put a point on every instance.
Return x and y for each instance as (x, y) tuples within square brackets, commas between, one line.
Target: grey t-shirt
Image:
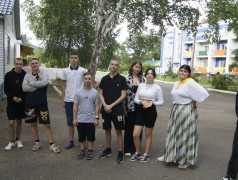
[(86, 100)]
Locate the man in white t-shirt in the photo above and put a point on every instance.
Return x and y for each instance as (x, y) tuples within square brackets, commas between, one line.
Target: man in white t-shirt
[(72, 80)]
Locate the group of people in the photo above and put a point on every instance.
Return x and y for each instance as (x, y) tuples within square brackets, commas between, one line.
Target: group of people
[(129, 102), (27, 98)]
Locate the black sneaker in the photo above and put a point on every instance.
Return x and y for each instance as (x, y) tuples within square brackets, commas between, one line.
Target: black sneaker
[(144, 158), (120, 157), (106, 153), (135, 157)]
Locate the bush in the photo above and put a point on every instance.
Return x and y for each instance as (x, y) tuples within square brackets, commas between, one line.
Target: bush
[(233, 65), (146, 66), (195, 77), (221, 81)]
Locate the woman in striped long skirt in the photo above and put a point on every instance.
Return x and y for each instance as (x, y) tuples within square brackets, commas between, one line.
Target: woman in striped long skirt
[(181, 145)]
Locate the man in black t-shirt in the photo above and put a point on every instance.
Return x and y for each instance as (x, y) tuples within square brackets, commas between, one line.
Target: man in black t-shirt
[(112, 92), (15, 102)]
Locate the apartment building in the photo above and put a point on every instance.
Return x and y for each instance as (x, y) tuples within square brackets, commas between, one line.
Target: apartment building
[(177, 46)]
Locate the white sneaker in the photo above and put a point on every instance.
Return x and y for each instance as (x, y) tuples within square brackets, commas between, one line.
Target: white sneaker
[(161, 158), (54, 149), (36, 147), (19, 144), (9, 146), (184, 166), (128, 154)]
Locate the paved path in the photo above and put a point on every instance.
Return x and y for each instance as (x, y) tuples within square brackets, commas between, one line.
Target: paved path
[(216, 128)]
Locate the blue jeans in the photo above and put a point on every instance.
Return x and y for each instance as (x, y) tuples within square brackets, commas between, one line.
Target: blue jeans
[(69, 112)]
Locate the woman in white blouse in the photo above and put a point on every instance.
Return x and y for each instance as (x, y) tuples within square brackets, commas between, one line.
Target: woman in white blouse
[(147, 96), (181, 144)]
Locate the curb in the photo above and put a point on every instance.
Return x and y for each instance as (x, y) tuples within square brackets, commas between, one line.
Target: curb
[(56, 89), (209, 89), (221, 91)]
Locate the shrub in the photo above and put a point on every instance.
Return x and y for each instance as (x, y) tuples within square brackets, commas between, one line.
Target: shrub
[(221, 81)]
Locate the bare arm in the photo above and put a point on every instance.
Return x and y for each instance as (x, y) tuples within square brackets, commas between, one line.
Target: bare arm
[(63, 85), (97, 106), (75, 111)]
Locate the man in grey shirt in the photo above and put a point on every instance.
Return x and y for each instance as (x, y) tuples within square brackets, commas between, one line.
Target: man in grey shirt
[(86, 115)]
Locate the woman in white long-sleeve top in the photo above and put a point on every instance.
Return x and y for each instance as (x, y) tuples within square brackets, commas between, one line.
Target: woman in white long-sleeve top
[(147, 97), (182, 133)]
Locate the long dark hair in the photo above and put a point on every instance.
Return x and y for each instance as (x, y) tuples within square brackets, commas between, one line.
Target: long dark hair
[(130, 71)]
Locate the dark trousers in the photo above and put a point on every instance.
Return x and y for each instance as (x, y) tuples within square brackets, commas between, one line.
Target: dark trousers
[(233, 163), (129, 146)]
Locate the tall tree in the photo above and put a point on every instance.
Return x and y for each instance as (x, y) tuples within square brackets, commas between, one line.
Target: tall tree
[(221, 10), (144, 47), (80, 23)]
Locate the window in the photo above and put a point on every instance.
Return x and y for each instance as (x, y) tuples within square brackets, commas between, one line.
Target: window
[(206, 48), (205, 63), (222, 64), (223, 47)]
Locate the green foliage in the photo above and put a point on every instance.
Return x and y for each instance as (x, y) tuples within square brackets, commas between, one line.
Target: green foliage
[(66, 27), (195, 77), (63, 27), (232, 65), (144, 47), (146, 66), (123, 68), (221, 10), (221, 81)]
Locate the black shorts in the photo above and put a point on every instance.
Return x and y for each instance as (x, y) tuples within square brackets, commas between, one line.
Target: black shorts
[(146, 117), (15, 111), (34, 112), (118, 121), (86, 130)]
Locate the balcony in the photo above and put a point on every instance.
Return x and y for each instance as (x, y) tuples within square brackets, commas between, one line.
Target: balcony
[(188, 53), (202, 53), (220, 52), (202, 69), (219, 69)]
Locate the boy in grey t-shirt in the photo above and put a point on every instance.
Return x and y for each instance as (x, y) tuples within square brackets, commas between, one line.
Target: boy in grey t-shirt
[(86, 115)]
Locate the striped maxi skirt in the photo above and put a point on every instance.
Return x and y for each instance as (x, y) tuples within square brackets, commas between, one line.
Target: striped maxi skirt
[(182, 135)]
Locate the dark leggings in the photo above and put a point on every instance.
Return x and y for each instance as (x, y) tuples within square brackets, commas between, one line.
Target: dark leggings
[(233, 163)]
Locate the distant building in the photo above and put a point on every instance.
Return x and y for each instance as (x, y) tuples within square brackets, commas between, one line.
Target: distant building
[(209, 58), (10, 36)]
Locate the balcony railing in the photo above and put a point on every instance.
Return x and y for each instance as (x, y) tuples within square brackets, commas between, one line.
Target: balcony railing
[(202, 69), (188, 53), (202, 53), (219, 69), (220, 52)]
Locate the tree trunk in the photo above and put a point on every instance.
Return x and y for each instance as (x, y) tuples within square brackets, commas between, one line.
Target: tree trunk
[(193, 52), (102, 24)]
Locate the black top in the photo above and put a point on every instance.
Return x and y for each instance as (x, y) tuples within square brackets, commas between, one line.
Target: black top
[(112, 88), (13, 85), (236, 108)]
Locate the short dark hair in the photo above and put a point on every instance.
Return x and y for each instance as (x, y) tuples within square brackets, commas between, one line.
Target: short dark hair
[(87, 73), (187, 67), (115, 59), (130, 71), (73, 53), (35, 59), (153, 72)]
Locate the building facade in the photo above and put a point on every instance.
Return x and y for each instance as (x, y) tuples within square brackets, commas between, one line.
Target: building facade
[(177, 46), (10, 36)]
